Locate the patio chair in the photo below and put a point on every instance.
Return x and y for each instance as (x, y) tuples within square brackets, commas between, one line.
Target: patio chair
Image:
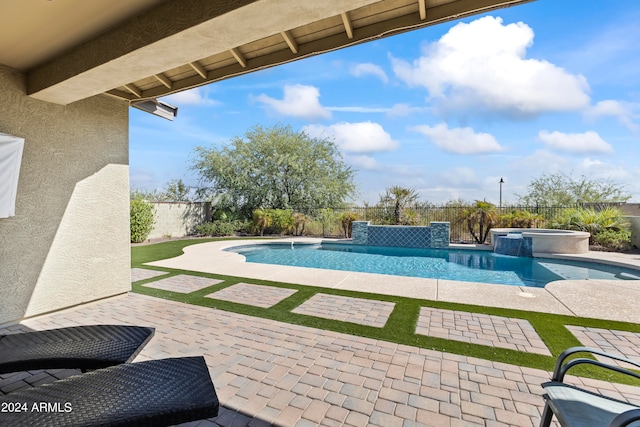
[(79, 347), (574, 406), (152, 393)]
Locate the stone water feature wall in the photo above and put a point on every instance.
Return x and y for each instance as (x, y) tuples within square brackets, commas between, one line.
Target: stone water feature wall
[(434, 236)]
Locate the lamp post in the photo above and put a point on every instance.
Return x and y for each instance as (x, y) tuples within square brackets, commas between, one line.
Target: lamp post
[(501, 182)]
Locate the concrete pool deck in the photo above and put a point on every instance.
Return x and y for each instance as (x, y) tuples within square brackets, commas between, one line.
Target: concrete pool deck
[(601, 299)]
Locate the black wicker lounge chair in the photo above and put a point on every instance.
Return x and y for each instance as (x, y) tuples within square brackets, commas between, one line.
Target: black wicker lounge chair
[(153, 393), (576, 407), (80, 347)]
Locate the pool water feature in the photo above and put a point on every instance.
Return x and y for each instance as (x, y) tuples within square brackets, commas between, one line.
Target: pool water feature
[(514, 244), (450, 264)]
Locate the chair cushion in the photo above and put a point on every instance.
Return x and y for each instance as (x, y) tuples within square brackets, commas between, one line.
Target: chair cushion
[(79, 347), (574, 406), (152, 393)]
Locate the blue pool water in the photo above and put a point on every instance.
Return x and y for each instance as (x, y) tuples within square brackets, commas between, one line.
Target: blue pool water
[(452, 264)]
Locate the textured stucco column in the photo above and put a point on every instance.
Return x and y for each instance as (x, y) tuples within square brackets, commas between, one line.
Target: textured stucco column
[(69, 241)]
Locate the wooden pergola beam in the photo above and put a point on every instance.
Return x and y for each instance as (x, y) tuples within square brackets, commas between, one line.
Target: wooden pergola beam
[(199, 69), (239, 57), (164, 80), (347, 24), (133, 89), (291, 41), (422, 4)]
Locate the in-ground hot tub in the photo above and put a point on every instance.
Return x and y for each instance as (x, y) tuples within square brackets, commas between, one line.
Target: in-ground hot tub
[(535, 241)]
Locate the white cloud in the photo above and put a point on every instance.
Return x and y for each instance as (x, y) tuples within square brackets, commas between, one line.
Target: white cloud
[(582, 143), (362, 161), (401, 110), (196, 96), (459, 176), (299, 101), (357, 109), (483, 64), (367, 68), (459, 140), (623, 111), (360, 137)]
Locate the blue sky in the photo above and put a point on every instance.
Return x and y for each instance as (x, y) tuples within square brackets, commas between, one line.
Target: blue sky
[(546, 87)]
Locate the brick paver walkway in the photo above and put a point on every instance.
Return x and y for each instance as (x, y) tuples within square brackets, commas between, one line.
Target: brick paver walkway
[(143, 274), (347, 309), (624, 343), (273, 373), (183, 283), (256, 295), (483, 329)]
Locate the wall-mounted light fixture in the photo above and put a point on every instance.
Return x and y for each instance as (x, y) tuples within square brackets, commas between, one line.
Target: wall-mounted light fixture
[(159, 108)]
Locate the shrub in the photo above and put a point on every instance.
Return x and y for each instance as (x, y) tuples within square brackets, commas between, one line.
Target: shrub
[(300, 221), (591, 221), (346, 220), (221, 228), (521, 219), (262, 219), (326, 219), (216, 228), (282, 220), (141, 219), (613, 240)]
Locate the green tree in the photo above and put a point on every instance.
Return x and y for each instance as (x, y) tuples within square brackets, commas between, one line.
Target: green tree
[(561, 190), (175, 191), (399, 198), (277, 168), (480, 218)]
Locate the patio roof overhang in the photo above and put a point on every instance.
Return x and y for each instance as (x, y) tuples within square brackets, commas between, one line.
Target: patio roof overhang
[(141, 49)]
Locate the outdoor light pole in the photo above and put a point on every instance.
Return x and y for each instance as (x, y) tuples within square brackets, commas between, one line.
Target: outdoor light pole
[(501, 182)]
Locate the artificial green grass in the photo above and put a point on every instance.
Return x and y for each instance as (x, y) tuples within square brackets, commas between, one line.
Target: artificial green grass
[(401, 324)]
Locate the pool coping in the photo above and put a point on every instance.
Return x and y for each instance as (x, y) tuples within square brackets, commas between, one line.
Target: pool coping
[(601, 299)]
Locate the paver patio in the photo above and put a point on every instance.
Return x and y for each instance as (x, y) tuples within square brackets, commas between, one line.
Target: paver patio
[(138, 274), (624, 343), (347, 309), (255, 295), (483, 329), (183, 283), (268, 372)]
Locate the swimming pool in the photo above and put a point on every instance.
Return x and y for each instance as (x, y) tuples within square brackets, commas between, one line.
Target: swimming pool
[(451, 264)]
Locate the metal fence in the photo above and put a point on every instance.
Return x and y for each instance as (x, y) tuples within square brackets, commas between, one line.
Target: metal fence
[(539, 216)]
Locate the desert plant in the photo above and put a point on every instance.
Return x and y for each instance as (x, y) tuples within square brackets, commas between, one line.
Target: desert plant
[(521, 219), (326, 218), (142, 219), (591, 221), (216, 228), (299, 222), (398, 198), (262, 219), (613, 240), (480, 218), (346, 220), (282, 220)]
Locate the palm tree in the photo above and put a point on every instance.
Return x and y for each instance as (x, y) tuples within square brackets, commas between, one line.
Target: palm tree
[(399, 197), (480, 218)]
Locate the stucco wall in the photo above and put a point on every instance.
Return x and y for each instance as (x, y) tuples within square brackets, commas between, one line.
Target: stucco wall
[(634, 222), (178, 219), (69, 240)]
